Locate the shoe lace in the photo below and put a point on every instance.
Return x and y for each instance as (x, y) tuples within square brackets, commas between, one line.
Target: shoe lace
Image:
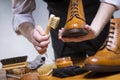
[(74, 9), (110, 39), (113, 43)]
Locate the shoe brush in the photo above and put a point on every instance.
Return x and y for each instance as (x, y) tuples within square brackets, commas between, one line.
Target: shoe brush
[(45, 71), (52, 23), (14, 62)]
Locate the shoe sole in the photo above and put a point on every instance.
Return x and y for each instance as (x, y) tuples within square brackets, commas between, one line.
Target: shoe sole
[(76, 32), (101, 68)]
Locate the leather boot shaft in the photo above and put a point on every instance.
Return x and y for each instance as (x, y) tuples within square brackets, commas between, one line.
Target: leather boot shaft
[(76, 10)]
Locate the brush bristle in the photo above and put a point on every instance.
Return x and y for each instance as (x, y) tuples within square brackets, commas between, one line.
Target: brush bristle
[(55, 22), (13, 60), (46, 69), (52, 23)]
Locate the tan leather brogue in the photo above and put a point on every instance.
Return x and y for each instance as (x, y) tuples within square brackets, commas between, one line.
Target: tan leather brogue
[(108, 58), (75, 23)]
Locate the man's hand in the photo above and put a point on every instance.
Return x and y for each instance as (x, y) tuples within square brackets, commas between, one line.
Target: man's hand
[(36, 35), (40, 40), (91, 35)]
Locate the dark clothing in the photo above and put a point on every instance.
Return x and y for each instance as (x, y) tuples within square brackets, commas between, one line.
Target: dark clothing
[(79, 49), (68, 71)]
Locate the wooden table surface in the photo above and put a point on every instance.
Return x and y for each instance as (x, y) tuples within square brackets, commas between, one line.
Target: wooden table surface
[(90, 76)]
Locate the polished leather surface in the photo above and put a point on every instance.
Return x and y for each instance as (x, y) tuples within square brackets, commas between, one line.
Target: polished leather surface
[(109, 56), (104, 57), (75, 17)]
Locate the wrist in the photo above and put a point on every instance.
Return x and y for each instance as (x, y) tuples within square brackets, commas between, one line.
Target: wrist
[(96, 30), (26, 29)]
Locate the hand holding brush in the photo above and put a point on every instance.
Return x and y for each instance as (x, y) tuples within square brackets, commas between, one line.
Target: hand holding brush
[(52, 23), (43, 39)]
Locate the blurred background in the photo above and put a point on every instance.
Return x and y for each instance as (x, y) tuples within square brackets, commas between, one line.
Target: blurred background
[(12, 45)]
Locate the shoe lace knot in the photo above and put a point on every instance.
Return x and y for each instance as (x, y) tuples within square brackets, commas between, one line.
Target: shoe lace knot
[(74, 9)]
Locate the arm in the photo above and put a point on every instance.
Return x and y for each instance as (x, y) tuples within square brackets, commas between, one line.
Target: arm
[(22, 13), (102, 17), (106, 10), (115, 3), (23, 24)]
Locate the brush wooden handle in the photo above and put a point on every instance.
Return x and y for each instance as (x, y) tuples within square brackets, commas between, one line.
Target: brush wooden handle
[(48, 29), (19, 71), (63, 62), (49, 24), (15, 65)]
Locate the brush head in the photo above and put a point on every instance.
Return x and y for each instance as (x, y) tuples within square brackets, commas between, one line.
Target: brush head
[(45, 71), (52, 23), (14, 62), (55, 22)]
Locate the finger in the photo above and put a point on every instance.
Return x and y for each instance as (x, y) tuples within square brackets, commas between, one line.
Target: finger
[(34, 42), (90, 30), (60, 33), (41, 50), (78, 39), (67, 40), (39, 37), (87, 27), (40, 30), (43, 38), (44, 44)]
